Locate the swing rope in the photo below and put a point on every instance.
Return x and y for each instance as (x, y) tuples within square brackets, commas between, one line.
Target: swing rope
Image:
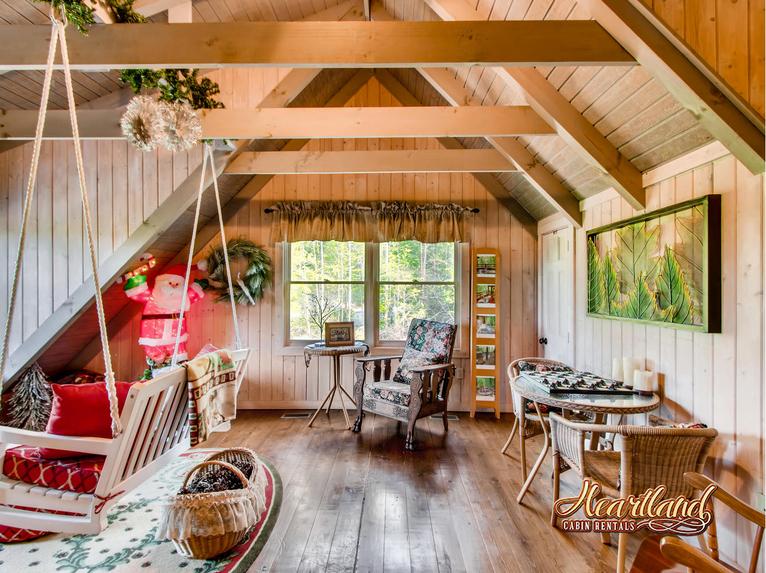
[(58, 33), (207, 159)]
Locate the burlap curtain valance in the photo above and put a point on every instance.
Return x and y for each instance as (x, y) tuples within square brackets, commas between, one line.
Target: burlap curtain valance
[(369, 222)]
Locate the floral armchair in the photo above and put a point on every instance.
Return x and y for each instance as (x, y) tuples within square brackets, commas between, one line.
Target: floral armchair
[(421, 384)]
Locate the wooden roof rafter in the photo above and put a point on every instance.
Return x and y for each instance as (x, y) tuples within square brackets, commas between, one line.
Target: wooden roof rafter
[(544, 98), (697, 87)]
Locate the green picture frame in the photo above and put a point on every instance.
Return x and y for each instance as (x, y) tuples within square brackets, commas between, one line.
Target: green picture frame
[(661, 268)]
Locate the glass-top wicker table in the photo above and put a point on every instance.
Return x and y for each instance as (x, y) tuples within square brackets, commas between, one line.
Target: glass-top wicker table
[(321, 349), (599, 404)]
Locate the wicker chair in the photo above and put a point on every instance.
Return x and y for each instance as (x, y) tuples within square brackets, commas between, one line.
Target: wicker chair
[(649, 457), (533, 425), (709, 561)]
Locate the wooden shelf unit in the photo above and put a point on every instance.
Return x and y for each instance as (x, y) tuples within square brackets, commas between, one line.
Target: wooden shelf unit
[(485, 330)]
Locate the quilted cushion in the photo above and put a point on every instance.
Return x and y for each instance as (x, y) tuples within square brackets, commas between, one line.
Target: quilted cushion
[(10, 534), (390, 391), (80, 475), (428, 342)]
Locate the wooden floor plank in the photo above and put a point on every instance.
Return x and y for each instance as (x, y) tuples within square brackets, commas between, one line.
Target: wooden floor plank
[(358, 502)]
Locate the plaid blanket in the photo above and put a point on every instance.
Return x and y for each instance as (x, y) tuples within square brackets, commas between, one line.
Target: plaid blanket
[(212, 384)]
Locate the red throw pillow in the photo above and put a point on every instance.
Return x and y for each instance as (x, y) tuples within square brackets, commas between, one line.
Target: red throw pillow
[(81, 410)]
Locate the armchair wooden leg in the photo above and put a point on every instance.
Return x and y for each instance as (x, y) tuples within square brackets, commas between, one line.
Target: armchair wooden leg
[(513, 433), (360, 373), (622, 548), (409, 443), (445, 421)]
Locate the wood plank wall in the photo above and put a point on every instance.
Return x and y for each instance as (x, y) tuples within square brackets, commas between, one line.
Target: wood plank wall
[(125, 186), (278, 378), (714, 378), (727, 34)]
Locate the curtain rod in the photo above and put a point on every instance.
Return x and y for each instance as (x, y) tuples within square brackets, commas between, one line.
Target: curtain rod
[(268, 210)]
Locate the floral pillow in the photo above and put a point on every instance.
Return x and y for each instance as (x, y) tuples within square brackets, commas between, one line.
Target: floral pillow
[(428, 342)]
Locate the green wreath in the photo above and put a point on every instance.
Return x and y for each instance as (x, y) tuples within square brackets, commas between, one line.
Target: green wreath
[(249, 286)]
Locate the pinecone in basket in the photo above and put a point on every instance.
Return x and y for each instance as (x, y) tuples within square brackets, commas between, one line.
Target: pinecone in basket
[(218, 479)]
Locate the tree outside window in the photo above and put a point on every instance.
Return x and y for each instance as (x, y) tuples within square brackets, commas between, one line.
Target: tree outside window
[(384, 285)]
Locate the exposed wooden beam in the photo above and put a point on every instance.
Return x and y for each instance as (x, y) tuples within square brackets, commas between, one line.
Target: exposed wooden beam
[(320, 44), (577, 131), (258, 182), (378, 161), (487, 180), (697, 87), (543, 180), (302, 123)]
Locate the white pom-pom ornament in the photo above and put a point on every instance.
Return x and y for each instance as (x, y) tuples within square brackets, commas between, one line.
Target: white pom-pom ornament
[(181, 128), (142, 122)]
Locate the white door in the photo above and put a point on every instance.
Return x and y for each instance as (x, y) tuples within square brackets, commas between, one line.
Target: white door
[(557, 295)]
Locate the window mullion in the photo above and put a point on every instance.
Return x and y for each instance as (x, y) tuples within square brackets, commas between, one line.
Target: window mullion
[(371, 293)]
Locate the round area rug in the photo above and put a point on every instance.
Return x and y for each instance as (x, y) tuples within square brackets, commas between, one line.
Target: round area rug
[(128, 543)]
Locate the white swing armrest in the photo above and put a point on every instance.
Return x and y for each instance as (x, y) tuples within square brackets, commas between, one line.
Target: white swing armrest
[(86, 445)]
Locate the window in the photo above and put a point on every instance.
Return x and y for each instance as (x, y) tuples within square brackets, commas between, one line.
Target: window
[(380, 287)]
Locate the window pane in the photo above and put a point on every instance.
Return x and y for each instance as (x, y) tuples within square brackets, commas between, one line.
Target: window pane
[(409, 261), (335, 303), (399, 304), (326, 261)]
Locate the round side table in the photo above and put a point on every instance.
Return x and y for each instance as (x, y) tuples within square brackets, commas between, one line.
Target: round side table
[(320, 349)]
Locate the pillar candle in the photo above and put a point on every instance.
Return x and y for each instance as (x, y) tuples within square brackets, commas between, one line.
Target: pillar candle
[(630, 365), (643, 381), (617, 370)]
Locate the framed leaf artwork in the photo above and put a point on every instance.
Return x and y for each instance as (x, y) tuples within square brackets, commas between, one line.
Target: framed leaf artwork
[(662, 267)]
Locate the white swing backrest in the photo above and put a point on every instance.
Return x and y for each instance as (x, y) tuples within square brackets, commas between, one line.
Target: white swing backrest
[(155, 419)]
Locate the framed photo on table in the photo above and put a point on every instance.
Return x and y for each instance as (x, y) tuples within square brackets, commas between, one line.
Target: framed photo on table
[(339, 333)]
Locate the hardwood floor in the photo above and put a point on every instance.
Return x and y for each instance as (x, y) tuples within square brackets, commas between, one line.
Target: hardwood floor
[(359, 502)]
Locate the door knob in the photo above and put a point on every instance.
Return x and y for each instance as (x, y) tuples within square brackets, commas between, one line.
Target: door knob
[(543, 340)]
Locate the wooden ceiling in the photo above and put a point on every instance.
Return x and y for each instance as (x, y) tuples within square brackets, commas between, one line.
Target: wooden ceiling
[(630, 108)]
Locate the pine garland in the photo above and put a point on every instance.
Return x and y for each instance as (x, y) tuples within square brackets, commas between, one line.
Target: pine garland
[(173, 85), (257, 276), (30, 404), (77, 13)]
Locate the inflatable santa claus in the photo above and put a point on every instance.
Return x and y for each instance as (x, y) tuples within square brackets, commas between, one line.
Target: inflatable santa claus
[(161, 315)]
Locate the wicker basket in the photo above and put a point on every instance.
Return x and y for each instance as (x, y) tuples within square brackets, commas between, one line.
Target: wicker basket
[(233, 455), (203, 525)]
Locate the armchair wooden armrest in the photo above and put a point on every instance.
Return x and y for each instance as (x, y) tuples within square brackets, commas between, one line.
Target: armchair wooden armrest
[(700, 482), (684, 554), (378, 358), (431, 367), (433, 380)]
